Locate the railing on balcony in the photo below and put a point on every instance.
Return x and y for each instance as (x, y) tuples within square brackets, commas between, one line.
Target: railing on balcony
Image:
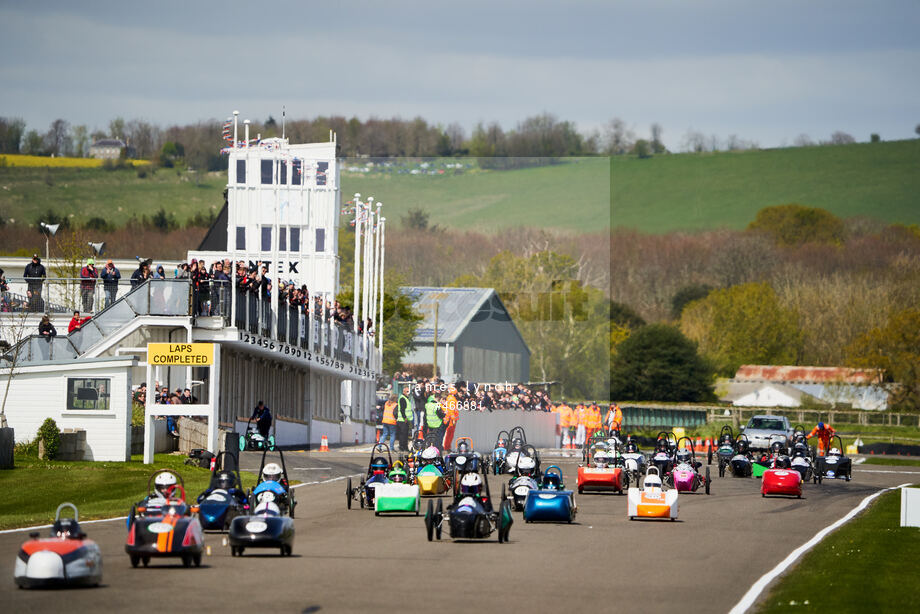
[(114, 306)]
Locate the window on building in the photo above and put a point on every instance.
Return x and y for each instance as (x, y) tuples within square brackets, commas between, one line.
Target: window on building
[(266, 238), (89, 393), (282, 239), (321, 168), (240, 237), (295, 239), (267, 168), (320, 239), (241, 171), (283, 170), (296, 172)]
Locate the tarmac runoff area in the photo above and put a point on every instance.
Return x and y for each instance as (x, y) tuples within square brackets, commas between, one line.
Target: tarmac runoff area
[(352, 561)]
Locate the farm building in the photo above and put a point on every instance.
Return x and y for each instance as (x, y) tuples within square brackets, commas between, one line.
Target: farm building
[(477, 340), (110, 149)]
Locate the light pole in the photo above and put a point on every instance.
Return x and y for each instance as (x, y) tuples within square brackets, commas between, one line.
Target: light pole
[(51, 231)]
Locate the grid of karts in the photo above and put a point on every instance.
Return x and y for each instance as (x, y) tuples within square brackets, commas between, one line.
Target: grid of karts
[(167, 524)]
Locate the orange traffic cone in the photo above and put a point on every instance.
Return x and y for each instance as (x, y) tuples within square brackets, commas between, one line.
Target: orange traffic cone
[(356, 438), (324, 444)]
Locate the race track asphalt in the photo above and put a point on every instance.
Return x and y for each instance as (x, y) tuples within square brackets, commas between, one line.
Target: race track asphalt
[(352, 561)]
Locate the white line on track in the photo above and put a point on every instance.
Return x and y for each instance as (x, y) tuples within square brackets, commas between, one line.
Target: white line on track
[(859, 461), (82, 522), (48, 526), (311, 469), (886, 471), (754, 592)]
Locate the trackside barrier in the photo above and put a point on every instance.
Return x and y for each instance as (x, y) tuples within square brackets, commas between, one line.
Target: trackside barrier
[(482, 427)]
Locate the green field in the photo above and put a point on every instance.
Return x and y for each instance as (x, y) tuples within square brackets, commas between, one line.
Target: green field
[(868, 565), (27, 193), (656, 195), (34, 489)]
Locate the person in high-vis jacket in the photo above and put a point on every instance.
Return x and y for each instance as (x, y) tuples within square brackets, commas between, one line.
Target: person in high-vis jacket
[(404, 417), (581, 422), (567, 422), (452, 415), (434, 421), (389, 422), (823, 432), (614, 418)]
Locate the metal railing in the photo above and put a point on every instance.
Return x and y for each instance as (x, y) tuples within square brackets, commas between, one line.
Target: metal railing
[(113, 306)]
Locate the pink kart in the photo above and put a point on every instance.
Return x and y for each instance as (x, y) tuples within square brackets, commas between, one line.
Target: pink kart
[(685, 476)]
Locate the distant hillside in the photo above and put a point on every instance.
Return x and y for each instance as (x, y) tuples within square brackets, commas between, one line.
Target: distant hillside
[(656, 195), (698, 191)]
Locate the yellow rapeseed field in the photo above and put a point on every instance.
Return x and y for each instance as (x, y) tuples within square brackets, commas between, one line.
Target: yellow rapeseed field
[(56, 162)]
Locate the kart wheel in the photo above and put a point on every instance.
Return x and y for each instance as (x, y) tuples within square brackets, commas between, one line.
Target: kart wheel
[(186, 560), (504, 494), (708, 480), (240, 550), (429, 520), (242, 443), (145, 560), (361, 498), (439, 514), (271, 443), (232, 550), (709, 457), (135, 560), (847, 477), (196, 559)]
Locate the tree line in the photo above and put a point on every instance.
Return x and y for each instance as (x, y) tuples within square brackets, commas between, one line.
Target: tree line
[(538, 139)]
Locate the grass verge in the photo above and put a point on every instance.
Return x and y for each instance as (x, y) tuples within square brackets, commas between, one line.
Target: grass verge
[(863, 567), (898, 462), (34, 489)]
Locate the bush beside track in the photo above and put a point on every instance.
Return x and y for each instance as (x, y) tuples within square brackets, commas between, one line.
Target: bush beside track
[(34, 489), (865, 566)]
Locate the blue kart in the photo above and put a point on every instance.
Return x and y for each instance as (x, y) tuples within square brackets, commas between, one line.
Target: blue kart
[(223, 500), (551, 502), (377, 470), (270, 521)]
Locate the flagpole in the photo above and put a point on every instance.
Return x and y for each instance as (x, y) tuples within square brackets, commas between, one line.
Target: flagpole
[(356, 299), (382, 224)]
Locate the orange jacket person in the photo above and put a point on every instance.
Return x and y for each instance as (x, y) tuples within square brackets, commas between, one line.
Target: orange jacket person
[(566, 421), (452, 412), (823, 432), (614, 418), (389, 422), (581, 422)]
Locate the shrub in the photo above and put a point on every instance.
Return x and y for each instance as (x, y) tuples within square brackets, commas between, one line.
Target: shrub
[(50, 436), (27, 448), (795, 224)]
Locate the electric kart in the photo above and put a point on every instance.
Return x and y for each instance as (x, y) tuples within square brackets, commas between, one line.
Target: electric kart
[(271, 523), (162, 524), (685, 476), (377, 470), (724, 450), (802, 460), (398, 494), (781, 479), (252, 439), (465, 459), (431, 475), (741, 463), (517, 440), (663, 456), (499, 453), (634, 462), (551, 502), (603, 472), (835, 464), (65, 558), (524, 479), (472, 514), (768, 459), (223, 500), (651, 501)]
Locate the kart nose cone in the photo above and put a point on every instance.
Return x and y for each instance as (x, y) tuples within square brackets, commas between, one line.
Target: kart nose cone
[(44, 565)]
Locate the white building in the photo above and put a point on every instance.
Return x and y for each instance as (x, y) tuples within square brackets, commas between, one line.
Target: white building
[(318, 378)]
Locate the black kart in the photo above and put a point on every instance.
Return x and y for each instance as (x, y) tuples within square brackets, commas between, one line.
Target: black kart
[(471, 516), (835, 464)]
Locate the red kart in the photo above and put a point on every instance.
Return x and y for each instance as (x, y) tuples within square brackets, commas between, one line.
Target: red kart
[(781, 479)]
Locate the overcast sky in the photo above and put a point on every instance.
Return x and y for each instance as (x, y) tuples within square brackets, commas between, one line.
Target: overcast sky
[(764, 71)]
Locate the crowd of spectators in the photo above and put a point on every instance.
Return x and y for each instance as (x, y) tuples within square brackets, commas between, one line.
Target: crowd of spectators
[(472, 396)]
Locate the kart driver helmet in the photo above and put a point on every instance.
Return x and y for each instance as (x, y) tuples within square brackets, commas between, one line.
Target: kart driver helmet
[(834, 452), (661, 445), (463, 447), (600, 459), (271, 473), (163, 483), (225, 480), (430, 454), (378, 465), (652, 480), (526, 465), (800, 449), (471, 484), (398, 475), (783, 462), (268, 508), (776, 447), (742, 446), (683, 455), (67, 527), (631, 447)]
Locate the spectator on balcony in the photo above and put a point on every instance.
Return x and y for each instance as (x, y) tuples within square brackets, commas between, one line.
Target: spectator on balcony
[(88, 276), (76, 322), (141, 275), (46, 328), (220, 290), (34, 275), (110, 277)]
